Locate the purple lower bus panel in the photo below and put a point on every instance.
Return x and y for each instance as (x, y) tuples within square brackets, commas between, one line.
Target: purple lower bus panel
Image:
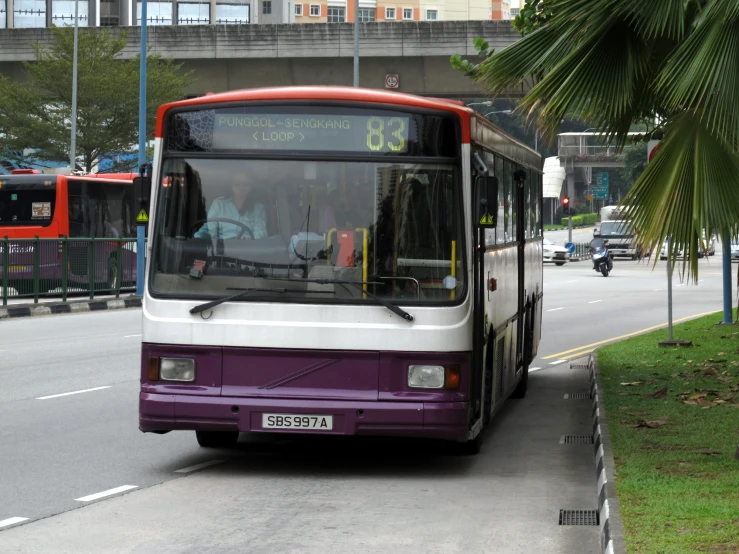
[(304, 391)]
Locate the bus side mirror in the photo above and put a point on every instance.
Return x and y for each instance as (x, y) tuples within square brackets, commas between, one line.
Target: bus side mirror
[(142, 190), (486, 201)]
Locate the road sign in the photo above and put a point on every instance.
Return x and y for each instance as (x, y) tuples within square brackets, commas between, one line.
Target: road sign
[(570, 247), (600, 190), (590, 197), (143, 217), (392, 80)]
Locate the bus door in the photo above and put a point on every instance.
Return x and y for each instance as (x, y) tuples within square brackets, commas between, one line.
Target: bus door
[(519, 182), (100, 208)]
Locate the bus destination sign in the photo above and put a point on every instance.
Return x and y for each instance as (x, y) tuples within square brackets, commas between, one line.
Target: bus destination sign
[(311, 132)]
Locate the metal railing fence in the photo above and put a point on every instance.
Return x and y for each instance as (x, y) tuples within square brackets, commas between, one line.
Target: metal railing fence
[(43, 268)]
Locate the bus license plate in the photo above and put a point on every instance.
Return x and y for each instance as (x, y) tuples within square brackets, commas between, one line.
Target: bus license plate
[(295, 421)]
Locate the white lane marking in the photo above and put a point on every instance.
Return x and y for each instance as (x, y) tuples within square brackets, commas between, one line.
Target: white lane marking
[(657, 290), (198, 466), (557, 362), (532, 369), (12, 521), (73, 392), (595, 301), (103, 494), (131, 336), (555, 309)]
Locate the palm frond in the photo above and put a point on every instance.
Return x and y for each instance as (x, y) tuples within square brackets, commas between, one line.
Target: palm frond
[(703, 73), (661, 19), (691, 186), (596, 81)]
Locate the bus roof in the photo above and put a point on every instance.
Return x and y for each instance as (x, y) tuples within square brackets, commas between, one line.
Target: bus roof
[(350, 94), (484, 131), (54, 179)]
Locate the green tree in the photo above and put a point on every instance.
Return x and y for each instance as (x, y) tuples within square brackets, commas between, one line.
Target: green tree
[(616, 62), (534, 14), (36, 114)]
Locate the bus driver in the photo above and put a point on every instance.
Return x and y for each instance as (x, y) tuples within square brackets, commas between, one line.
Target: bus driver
[(242, 207)]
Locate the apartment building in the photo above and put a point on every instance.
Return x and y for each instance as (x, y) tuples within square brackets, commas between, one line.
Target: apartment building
[(19, 14), (500, 9), (107, 13)]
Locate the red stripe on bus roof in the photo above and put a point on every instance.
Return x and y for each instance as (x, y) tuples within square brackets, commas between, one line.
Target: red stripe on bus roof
[(347, 94)]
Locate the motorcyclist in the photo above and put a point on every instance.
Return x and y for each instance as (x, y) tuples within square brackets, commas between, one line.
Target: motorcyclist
[(596, 244)]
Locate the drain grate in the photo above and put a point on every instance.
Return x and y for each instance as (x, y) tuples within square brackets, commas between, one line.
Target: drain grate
[(578, 517), (577, 396), (579, 366), (576, 439)]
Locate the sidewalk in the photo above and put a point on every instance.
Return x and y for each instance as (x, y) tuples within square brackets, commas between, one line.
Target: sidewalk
[(21, 307)]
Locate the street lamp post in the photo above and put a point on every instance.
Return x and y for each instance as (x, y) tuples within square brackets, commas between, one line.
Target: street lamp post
[(140, 229), (356, 43), (73, 146)]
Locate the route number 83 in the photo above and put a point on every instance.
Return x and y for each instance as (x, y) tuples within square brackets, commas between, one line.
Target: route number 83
[(376, 134)]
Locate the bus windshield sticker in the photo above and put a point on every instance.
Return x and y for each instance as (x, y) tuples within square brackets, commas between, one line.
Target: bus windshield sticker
[(40, 210)]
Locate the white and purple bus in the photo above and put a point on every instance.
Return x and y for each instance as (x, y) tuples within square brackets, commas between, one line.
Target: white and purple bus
[(331, 260)]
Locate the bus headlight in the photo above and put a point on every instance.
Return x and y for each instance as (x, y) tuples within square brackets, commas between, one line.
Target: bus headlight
[(177, 369), (426, 376)]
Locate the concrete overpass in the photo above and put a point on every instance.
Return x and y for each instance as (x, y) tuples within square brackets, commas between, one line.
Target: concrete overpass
[(229, 57)]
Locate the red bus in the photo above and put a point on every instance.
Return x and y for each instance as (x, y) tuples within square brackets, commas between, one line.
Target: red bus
[(34, 205)]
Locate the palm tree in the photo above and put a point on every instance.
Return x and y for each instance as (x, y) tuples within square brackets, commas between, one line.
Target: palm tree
[(674, 63)]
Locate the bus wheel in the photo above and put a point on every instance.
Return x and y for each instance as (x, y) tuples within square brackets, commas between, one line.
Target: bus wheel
[(217, 439)]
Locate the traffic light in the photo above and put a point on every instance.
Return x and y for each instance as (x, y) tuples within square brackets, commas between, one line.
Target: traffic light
[(566, 204)]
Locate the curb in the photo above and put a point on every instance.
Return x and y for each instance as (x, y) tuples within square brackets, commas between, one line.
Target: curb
[(609, 510), (53, 308)]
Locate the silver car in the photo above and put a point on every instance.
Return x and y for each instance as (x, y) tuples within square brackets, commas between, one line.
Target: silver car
[(710, 249), (553, 253)]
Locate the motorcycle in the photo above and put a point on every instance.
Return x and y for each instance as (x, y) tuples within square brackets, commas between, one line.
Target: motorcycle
[(602, 261)]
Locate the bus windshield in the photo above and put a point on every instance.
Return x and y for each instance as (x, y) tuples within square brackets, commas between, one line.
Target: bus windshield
[(615, 228), (27, 204), (223, 225)]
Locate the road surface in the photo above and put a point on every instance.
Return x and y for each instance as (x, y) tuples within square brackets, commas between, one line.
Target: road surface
[(78, 476)]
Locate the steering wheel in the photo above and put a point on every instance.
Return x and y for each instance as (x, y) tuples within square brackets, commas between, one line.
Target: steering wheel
[(244, 228)]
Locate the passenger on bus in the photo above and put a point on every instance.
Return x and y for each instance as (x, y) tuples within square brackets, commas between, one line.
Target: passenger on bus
[(243, 207)]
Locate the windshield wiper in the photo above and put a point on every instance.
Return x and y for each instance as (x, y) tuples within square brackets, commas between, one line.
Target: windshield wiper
[(357, 284), (243, 292)]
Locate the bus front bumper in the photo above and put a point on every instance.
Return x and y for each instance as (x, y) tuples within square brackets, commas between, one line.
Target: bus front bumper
[(170, 412)]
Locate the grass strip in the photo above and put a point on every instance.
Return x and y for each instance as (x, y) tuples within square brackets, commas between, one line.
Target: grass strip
[(673, 415)]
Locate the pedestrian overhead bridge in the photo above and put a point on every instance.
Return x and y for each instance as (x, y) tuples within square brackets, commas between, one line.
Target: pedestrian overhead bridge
[(231, 57)]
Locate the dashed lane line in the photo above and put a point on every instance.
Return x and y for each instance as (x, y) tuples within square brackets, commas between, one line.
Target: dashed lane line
[(110, 492), (557, 362), (131, 336), (196, 467), (555, 309), (532, 369), (12, 521), (73, 392), (595, 301)]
